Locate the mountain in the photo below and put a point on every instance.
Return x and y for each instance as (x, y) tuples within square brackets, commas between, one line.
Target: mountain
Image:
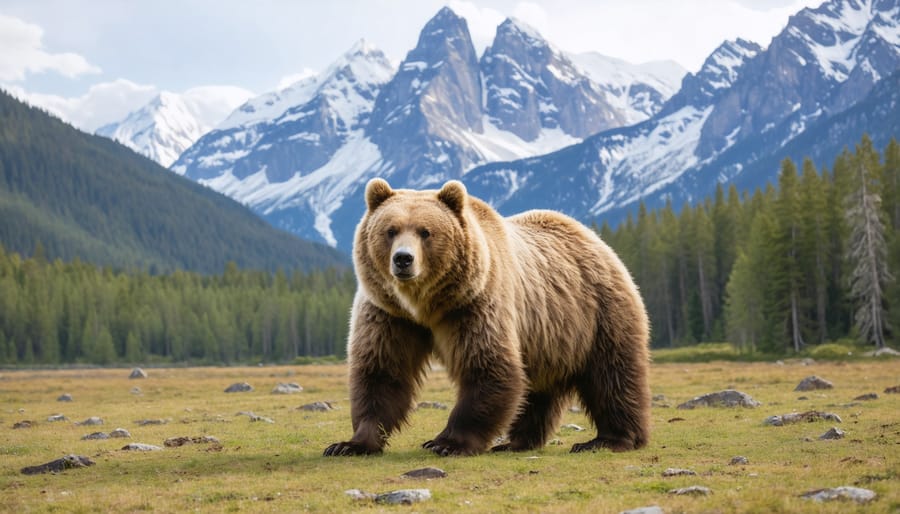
[(85, 196), (731, 122), (301, 160), (170, 123)]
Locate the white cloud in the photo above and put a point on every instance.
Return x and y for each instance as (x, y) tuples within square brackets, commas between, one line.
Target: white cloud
[(23, 53), (103, 103)]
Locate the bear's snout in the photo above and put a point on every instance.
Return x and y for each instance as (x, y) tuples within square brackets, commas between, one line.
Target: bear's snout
[(402, 264)]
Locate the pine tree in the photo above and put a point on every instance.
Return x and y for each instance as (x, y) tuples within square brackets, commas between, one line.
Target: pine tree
[(867, 250), (788, 242)]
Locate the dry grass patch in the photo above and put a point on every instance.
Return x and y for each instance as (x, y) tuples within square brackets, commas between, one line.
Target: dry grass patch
[(262, 467)]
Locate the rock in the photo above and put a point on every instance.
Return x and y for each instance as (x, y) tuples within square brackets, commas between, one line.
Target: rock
[(25, 423), (739, 460), (70, 461), (95, 435), (575, 409), (727, 398), (425, 473), (833, 433), (812, 383), (675, 472), (66, 397), (173, 442), (91, 421), (141, 447), (892, 390), (432, 405), (694, 490), (289, 388), (573, 426), (119, 432), (57, 417), (883, 352), (239, 387), (317, 407), (135, 390), (145, 422), (356, 494), (404, 496), (793, 417), (137, 373), (866, 397), (254, 417), (856, 494), (653, 509)]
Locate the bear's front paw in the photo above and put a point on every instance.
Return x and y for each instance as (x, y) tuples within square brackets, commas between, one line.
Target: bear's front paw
[(446, 447), (616, 445), (348, 448)]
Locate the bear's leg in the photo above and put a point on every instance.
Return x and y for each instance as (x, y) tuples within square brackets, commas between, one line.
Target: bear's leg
[(616, 395), (534, 424), (387, 361), (487, 369)]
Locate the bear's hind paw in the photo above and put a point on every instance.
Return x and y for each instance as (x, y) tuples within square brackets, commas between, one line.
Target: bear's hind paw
[(446, 448), (616, 445), (348, 448)]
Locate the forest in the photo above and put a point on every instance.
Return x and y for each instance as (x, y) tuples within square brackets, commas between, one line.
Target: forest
[(806, 261)]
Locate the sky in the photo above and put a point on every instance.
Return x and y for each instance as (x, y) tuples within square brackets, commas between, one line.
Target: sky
[(93, 61)]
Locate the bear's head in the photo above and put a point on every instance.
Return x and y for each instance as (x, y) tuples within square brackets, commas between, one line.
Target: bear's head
[(411, 243)]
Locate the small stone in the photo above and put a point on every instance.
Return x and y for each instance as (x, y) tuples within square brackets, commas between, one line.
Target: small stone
[(173, 442), (404, 496), (254, 417), (356, 494), (425, 473), (141, 447), (432, 405), (93, 420), (694, 490), (135, 390), (95, 435), (674, 472), (70, 461), (25, 423), (575, 409), (653, 509), (866, 397), (812, 383), (740, 460), (66, 397), (137, 373), (727, 398), (239, 387), (289, 388), (892, 390), (317, 407), (833, 433), (856, 494), (793, 417), (57, 417), (573, 426), (119, 432), (145, 422)]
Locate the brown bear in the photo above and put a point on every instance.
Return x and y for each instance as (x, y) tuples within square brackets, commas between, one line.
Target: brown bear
[(522, 311)]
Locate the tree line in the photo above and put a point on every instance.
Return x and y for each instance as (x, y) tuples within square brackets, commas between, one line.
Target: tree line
[(79, 313), (778, 269)]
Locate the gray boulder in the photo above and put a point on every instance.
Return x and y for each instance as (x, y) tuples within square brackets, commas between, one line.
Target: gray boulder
[(726, 398), (813, 383)]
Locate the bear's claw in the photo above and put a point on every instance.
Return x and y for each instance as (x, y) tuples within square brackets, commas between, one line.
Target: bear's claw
[(348, 448), (447, 448)]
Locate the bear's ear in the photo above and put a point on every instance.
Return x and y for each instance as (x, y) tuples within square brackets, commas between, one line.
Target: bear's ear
[(453, 194), (377, 191)]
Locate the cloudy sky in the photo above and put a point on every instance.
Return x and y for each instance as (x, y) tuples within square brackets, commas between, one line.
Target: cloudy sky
[(92, 61)]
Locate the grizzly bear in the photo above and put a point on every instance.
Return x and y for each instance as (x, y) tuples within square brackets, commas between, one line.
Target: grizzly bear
[(522, 311)]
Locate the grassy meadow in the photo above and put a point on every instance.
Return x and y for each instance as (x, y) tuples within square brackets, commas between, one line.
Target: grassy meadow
[(264, 467)]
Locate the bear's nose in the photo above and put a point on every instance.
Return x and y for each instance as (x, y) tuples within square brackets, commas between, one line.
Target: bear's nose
[(403, 259)]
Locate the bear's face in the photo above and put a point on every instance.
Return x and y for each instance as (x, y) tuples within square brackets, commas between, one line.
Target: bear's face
[(412, 236)]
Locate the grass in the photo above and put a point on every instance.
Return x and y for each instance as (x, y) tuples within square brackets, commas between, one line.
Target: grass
[(278, 467)]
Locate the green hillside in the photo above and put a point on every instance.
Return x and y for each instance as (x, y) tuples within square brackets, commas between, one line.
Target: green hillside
[(85, 196)]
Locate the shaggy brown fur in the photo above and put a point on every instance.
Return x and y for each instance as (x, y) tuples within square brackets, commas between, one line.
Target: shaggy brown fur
[(523, 312)]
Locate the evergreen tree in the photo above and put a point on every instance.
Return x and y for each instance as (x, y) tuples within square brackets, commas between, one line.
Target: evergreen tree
[(790, 263), (867, 250)]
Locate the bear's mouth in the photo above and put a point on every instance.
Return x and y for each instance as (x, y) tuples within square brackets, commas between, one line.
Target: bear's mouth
[(403, 275)]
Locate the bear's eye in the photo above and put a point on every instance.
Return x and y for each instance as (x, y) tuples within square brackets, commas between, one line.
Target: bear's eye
[(424, 233), (391, 232)]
